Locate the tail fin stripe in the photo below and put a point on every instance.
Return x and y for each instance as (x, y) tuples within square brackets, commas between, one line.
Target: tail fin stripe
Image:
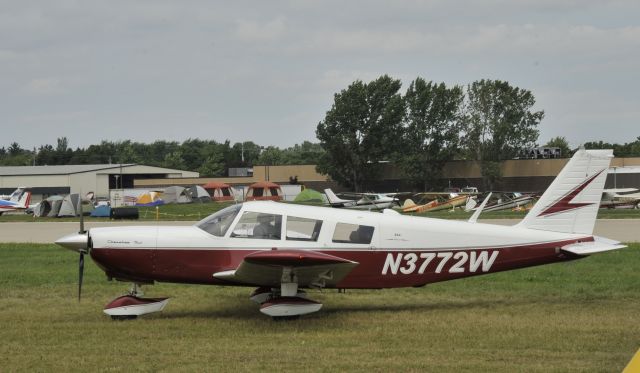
[(565, 204)]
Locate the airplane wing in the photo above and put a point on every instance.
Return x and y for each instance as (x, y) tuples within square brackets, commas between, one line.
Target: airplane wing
[(273, 267), (433, 194)]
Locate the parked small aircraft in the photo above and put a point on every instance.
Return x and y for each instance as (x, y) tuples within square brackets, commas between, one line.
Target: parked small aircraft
[(18, 200), (363, 201), (434, 201), (621, 198), (502, 201), (281, 249)]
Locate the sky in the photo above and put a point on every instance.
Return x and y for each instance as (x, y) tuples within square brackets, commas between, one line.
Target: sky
[(266, 71)]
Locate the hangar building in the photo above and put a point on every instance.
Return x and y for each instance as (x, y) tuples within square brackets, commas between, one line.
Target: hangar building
[(98, 178)]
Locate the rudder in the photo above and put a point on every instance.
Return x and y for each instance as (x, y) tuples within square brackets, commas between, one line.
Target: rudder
[(570, 204)]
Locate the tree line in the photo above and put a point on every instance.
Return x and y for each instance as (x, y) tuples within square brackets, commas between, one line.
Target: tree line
[(208, 157)]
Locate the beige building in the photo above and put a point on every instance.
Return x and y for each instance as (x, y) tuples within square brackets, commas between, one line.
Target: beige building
[(276, 174), (97, 178), (517, 174)]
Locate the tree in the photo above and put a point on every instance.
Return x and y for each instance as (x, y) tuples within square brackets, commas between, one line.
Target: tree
[(562, 143), (213, 164), (15, 149), (305, 153), (432, 132), (270, 156), (243, 154), (499, 124), (631, 149), (361, 129), (127, 152), (174, 160)]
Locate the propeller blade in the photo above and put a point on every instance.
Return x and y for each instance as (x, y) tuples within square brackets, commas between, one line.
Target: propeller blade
[(80, 274), (79, 211)]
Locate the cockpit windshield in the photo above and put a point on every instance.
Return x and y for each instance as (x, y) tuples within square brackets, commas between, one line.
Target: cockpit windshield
[(218, 223)]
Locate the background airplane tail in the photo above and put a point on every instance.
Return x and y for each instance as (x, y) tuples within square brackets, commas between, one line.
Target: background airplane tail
[(331, 196), (20, 198), (24, 200), (570, 204)]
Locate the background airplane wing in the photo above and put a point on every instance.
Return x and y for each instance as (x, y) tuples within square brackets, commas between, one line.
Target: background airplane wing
[(310, 268)]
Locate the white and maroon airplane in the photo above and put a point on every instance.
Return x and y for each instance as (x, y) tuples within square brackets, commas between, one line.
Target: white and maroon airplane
[(282, 248)]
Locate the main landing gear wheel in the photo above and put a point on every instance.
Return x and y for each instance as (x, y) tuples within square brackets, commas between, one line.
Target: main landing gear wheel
[(288, 308), (132, 305), (123, 317), (286, 302), (285, 318)]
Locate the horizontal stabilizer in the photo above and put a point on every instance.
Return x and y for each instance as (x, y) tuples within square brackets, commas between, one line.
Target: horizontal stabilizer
[(599, 245)]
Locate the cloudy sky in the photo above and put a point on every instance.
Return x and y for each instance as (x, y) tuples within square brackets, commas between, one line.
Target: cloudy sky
[(266, 71)]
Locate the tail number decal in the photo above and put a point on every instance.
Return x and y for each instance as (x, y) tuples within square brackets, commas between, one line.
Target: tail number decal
[(460, 262)]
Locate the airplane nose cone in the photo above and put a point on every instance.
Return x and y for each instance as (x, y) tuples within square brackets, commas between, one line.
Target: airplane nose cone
[(74, 242)]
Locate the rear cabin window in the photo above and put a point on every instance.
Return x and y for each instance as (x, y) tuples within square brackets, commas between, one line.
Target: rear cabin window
[(257, 192), (352, 233), (226, 192), (258, 225), (303, 229), (274, 191)]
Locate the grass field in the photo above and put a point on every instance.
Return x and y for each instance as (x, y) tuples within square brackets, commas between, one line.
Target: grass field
[(197, 211), (579, 316)]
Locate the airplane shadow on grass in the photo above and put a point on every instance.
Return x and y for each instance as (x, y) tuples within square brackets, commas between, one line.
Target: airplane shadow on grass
[(238, 312)]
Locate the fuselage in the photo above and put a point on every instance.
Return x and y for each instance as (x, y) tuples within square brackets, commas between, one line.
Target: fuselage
[(402, 250)]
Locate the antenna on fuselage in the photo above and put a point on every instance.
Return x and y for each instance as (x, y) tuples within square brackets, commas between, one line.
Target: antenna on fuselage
[(476, 214)]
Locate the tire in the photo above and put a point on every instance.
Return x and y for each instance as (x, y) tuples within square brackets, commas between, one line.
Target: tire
[(285, 318), (123, 317)]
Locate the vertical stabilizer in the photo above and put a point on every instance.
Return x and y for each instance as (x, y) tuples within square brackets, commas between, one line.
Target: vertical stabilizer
[(333, 199), (24, 200), (331, 196), (570, 204)]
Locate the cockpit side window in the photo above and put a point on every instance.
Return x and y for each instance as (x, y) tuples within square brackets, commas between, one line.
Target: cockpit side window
[(218, 224), (353, 233), (303, 229), (260, 225)]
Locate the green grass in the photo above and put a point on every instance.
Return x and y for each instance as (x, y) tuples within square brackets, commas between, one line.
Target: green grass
[(579, 316), (197, 211)]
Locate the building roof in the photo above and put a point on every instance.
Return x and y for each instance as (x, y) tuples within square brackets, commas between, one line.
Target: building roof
[(264, 184), (215, 185), (57, 170)]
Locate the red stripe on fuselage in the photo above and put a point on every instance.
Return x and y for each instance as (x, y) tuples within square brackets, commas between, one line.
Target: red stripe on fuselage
[(197, 266)]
